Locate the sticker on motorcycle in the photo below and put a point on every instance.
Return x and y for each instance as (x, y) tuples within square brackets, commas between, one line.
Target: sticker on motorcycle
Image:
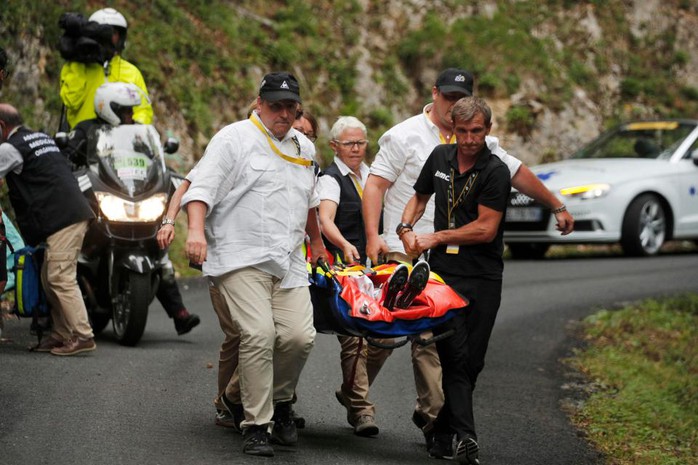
[(135, 168)]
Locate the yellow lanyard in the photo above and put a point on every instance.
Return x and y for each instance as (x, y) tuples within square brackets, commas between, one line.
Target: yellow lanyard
[(357, 184), (444, 141), (297, 160)]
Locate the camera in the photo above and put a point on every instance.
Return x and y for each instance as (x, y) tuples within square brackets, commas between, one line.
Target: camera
[(85, 41)]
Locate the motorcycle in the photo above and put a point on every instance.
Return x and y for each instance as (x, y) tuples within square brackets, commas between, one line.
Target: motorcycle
[(120, 264)]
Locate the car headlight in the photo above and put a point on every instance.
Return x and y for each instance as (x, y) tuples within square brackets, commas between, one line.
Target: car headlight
[(587, 191), (118, 209)]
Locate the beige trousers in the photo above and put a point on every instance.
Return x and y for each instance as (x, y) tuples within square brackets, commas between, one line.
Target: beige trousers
[(426, 367), (276, 336), (59, 278), (228, 381), (361, 363)]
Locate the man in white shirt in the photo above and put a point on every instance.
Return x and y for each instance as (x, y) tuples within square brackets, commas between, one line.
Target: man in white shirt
[(250, 205), (403, 150)]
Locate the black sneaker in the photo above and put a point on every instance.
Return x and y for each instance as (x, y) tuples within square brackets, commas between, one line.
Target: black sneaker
[(420, 422), (236, 410), (467, 452), (225, 419), (442, 447), (395, 284), (185, 322), (256, 441), (284, 432), (415, 284), (297, 419)]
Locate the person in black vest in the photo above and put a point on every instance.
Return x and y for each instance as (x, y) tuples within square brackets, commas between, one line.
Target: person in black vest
[(51, 209), (340, 189)]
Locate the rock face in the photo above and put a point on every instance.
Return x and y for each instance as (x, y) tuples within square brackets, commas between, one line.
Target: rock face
[(553, 131)]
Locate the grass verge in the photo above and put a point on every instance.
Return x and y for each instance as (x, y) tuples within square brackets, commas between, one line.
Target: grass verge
[(641, 365)]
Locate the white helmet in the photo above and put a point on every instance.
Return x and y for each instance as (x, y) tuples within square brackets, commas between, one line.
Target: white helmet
[(109, 16), (112, 97)]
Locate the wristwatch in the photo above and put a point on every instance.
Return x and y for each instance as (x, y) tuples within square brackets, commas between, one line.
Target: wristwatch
[(166, 220), (401, 227)]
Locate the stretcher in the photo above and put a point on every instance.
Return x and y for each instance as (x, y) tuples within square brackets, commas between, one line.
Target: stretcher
[(348, 301)]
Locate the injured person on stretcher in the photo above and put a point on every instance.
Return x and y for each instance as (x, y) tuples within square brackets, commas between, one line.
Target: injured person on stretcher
[(401, 288), (386, 301)]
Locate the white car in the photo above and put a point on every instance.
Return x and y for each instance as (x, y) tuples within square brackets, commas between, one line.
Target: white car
[(636, 184)]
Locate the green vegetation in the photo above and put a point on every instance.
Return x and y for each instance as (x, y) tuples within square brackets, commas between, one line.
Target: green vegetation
[(202, 59), (521, 120), (642, 362)]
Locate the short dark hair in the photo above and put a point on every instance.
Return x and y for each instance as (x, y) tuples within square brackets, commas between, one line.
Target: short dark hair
[(311, 119), (466, 108)]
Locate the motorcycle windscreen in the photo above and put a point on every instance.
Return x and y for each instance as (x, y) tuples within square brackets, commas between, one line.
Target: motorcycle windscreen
[(130, 157)]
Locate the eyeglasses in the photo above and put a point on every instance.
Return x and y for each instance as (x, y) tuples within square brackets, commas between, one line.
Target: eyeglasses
[(351, 143), (309, 135)]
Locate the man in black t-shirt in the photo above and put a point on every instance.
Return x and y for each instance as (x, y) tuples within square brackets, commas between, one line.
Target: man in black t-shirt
[(471, 187)]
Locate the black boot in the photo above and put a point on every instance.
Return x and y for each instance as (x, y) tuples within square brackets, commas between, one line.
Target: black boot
[(256, 441), (185, 321), (284, 431)]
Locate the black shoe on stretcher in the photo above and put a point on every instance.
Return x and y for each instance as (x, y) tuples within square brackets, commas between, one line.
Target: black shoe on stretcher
[(395, 284), (415, 284)]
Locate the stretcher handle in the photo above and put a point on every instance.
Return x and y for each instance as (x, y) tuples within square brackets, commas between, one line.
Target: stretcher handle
[(382, 345), (425, 342), (322, 263)]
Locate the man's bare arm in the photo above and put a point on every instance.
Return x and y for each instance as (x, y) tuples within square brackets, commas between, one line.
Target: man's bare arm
[(371, 207), (166, 233), (528, 183), (196, 240)]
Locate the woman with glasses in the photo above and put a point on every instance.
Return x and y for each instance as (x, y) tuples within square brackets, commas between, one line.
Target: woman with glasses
[(340, 189)]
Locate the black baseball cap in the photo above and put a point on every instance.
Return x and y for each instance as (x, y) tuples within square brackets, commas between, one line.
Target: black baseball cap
[(455, 80), (279, 86)]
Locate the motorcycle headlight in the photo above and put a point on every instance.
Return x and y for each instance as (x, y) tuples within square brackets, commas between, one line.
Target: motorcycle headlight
[(118, 209), (587, 191)]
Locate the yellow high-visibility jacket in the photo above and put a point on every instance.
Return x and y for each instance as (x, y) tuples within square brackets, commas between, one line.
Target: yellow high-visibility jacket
[(79, 82)]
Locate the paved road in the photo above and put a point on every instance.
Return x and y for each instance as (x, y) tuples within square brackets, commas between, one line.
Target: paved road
[(152, 403)]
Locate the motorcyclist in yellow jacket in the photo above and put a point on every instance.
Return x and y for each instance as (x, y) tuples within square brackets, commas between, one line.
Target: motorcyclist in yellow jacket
[(79, 81)]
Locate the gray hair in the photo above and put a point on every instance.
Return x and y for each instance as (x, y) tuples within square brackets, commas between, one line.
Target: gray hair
[(346, 122), (467, 108)]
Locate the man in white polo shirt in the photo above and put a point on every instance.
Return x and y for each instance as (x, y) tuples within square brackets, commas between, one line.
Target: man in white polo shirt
[(403, 150), (250, 206)]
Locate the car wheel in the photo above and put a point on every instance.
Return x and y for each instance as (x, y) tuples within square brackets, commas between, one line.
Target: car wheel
[(644, 227), (528, 251)]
